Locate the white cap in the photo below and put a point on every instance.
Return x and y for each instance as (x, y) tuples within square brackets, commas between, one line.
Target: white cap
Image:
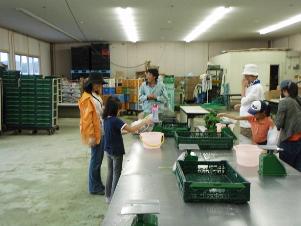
[(257, 106), (250, 69)]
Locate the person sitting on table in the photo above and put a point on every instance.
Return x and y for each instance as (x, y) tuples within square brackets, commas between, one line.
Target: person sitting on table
[(259, 119), (251, 90), (288, 121), (152, 92)]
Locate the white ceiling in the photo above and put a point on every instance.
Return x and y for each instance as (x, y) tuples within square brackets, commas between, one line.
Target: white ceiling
[(157, 20)]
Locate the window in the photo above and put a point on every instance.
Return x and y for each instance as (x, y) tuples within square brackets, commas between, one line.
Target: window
[(27, 65), (24, 65), (4, 58), (36, 66)]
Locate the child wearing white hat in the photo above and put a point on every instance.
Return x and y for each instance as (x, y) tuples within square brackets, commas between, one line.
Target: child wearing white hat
[(259, 120)]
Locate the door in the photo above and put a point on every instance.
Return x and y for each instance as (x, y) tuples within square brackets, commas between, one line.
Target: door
[(274, 76)]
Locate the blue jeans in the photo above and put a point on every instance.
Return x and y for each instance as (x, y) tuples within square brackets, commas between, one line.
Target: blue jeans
[(114, 172), (95, 183), (291, 154)]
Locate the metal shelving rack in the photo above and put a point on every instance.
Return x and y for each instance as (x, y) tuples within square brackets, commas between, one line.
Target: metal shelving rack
[(216, 73)]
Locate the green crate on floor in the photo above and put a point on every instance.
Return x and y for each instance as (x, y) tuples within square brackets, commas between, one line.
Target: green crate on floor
[(33, 99), (28, 98), (211, 181), (11, 73), (28, 111), (13, 118), (205, 140), (169, 128)]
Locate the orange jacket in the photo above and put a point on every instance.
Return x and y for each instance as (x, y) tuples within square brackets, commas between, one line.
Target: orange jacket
[(89, 120)]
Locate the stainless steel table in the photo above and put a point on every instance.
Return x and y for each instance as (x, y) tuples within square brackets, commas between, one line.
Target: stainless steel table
[(191, 112), (147, 175)]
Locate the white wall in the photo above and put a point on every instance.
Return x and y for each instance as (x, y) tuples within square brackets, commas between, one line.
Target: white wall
[(233, 63), (292, 42), (176, 58), (15, 43)]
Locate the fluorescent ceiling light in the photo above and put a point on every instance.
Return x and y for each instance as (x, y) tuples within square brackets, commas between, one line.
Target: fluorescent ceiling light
[(30, 14), (280, 25), (210, 20), (127, 20)]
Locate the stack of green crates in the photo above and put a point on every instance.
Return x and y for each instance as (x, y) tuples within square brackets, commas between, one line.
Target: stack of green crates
[(30, 102), (169, 82)]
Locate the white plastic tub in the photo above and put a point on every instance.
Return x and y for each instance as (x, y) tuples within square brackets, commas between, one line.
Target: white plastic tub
[(247, 154), (152, 140)]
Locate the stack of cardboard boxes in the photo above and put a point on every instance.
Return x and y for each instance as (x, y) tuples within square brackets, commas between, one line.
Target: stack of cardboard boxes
[(127, 91), (131, 88)]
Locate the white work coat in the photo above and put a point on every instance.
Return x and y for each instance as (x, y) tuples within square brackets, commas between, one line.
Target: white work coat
[(253, 92)]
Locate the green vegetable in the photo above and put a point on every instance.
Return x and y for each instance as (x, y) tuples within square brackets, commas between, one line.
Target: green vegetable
[(210, 120)]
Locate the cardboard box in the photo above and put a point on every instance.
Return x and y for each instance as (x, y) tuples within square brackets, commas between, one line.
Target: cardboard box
[(119, 75), (272, 94), (133, 98), (127, 106), (134, 83), (191, 82), (119, 90)]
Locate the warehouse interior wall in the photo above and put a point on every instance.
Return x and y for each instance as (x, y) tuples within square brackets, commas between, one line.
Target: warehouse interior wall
[(177, 58), (16, 43), (292, 42)]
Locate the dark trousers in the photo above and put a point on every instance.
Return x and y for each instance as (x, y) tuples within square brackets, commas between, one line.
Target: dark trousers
[(95, 183), (291, 154), (114, 172)]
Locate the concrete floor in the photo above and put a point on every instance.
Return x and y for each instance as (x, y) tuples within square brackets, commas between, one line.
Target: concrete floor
[(43, 179)]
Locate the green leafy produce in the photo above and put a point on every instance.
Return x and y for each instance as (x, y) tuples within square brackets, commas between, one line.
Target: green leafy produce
[(210, 120)]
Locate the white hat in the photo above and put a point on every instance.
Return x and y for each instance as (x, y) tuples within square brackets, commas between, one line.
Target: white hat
[(250, 69), (257, 106)]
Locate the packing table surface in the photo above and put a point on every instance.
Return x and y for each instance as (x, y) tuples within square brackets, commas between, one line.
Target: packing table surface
[(147, 174)]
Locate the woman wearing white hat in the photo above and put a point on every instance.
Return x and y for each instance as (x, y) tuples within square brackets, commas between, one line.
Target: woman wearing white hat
[(251, 90)]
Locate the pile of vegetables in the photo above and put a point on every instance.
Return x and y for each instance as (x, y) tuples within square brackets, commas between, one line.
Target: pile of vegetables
[(210, 120)]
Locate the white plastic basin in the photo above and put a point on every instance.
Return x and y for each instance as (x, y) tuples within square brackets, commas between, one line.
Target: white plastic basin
[(152, 140), (247, 154)]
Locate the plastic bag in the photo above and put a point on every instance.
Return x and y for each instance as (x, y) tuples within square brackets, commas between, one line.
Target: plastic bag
[(273, 136)]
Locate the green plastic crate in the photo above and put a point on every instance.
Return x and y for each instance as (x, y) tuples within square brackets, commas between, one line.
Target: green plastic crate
[(169, 128), (11, 73), (213, 107), (32, 100), (228, 131), (205, 140), (211, 181), (169, 79)]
